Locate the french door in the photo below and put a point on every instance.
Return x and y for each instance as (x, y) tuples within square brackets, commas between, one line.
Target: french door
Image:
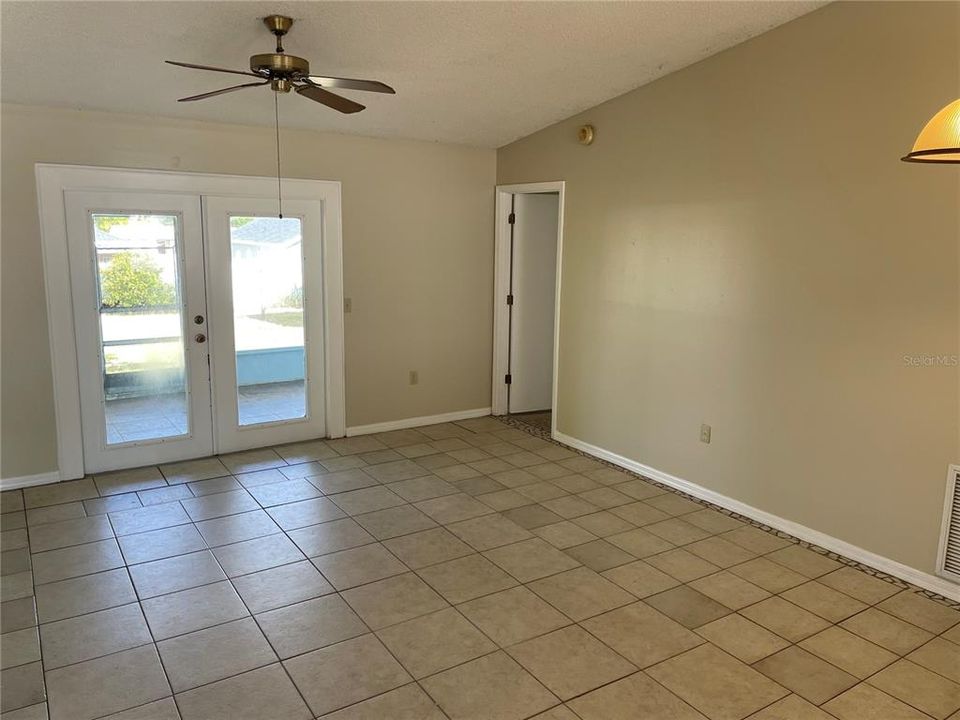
[(198, 321)]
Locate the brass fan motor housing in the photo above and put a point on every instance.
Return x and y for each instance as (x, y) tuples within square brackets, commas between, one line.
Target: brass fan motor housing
[(279, 65)]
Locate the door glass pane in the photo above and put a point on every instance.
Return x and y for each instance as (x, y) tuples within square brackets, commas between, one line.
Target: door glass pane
[(267, 277), (141, 329)]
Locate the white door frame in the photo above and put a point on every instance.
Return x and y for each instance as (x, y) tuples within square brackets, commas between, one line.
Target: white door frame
[(54, 180), (501, 287)]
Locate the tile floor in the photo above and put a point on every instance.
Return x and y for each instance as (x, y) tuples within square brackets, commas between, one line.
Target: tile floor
[(460, 571)]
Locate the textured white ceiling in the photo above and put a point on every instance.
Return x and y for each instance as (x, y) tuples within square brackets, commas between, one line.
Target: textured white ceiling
[(478, 73)]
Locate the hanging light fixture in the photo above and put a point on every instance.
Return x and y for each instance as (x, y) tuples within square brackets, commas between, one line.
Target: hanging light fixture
[(939, 141)]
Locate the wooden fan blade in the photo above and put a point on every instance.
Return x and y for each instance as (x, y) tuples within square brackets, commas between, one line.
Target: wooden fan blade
[(207, 67), (214, 93), (318, 94), (351, 84)]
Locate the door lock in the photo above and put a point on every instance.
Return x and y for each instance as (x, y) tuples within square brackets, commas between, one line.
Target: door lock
[(198, 319), (200, 337)]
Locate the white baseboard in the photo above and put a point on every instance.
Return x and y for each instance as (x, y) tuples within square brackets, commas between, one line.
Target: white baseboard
[(29, 480), (911, 575), (417, 421)]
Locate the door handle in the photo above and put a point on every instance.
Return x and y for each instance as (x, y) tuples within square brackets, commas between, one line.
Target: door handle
[(200, 337)]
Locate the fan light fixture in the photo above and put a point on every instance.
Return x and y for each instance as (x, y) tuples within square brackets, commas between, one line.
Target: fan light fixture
[(939, 141)]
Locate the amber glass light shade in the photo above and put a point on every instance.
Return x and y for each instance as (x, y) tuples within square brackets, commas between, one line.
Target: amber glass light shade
[(939, 141)]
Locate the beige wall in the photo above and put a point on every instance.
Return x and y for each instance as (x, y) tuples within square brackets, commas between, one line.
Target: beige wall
[(418, 257), (744, 249)]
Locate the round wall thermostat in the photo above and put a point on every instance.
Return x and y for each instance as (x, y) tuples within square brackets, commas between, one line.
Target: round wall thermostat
[(585, 134)]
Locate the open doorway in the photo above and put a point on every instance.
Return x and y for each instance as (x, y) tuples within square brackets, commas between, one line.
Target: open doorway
[(528, 244)]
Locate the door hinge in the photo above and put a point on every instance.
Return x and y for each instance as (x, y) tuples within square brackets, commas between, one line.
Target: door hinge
[(512, 218), (508, 378), (510, 299)]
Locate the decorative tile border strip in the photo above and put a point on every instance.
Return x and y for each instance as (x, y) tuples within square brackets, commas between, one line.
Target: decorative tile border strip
[(897, 582)]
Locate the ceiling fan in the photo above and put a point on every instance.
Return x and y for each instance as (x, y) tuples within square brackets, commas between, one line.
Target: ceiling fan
[(283, 73)]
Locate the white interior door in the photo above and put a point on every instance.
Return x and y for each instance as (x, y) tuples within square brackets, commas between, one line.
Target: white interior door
[(533, 286), (137, 280), (265, 290)]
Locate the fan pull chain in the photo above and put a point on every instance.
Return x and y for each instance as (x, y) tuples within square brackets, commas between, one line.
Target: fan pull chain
[(276, 115)]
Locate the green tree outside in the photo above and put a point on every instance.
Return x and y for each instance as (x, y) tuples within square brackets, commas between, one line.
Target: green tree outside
[(131, 280)]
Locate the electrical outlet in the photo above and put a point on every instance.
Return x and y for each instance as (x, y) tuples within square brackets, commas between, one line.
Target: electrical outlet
[(705, 431), (414, 377), (347, 305)]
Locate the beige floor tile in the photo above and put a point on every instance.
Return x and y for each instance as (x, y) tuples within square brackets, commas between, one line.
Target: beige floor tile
[(848, 651), (252, 460), (14, 539), (165, 709), (805, 674), (804, 561), (81, 595), (237, 528), (16, 586), (159, 544), (823, 601), (570, 506), (638, 489), (564, 534), (921, 611), (712, 521), (859, 585), (121, 481), (574, 483), (941, 656), (194, 609), (169, 493), (206, 507), (720, 552), (435, 642), (540, 491), (687, 606), (867, 703), (559, 712), (953, 634), (640, 514), (427, 548), (338, 464), (22, 687), (531, 559), (457, 473), (15, 520), (887, 631), (127, 522), (769, 575), (792, 707), (532, 516), (341, 481), (636, 696), (581, 593), (405, 703), (503, 500), (570, 661), (600, 555), (370, 499), (755, 539), (19, 648), (391, 601), (920, 688), (717, 684), (304, 452), (641, 634), (730, 590), (251, 556), (305, 513), (481, 485), (296, 629), (673, 504), (677, 531), (513, 615), (390, 472), (606, 497), (106, 685), (284, 492), (68, 532), (263, 693), (339, 675), (682, 565), (259, 478), (330, 537), (75, 561), (177, 573), (641, 579), (354, 445), (193, 470), (488, 532), (784, 618), (55, 513), (453, 508), (213, 654), (466, 578), (349, 568), (395, 521), (90, 636), (18, 614), (213, 486), (279, 586), (423, 488), (61, 492), (11, 501), (493, 687), (743, 639)]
